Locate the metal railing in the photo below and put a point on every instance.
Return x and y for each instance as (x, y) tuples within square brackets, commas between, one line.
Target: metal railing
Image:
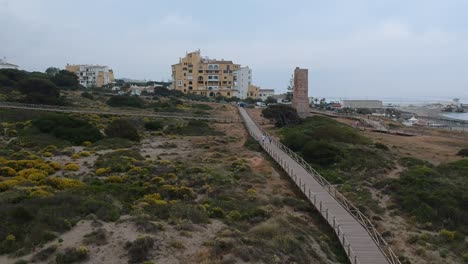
[(68, 109), (340, 198)]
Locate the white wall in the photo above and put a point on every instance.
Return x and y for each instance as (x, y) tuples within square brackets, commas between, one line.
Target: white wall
[(244, 79)]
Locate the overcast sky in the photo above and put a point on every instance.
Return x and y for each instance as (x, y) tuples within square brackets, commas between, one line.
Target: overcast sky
[(358, 48)]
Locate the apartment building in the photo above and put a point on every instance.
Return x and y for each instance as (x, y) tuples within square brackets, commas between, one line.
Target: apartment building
[(6, 65), (265, 93), (92, 75), (253, 91), (244, 79), (204, 76)]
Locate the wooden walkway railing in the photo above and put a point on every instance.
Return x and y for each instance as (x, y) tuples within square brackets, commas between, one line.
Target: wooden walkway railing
[(362, 242), (120, 112)]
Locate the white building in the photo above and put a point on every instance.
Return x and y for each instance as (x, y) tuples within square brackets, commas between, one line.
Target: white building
[(243, 78), (6, 65), (362, 103), (265, 93), (92, 75)]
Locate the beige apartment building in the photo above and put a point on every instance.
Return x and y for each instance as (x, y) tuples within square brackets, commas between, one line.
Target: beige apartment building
[(203, 76), (92, 75)]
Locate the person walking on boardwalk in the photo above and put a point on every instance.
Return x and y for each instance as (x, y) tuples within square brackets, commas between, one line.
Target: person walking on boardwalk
[(263, 138), (269, 138)]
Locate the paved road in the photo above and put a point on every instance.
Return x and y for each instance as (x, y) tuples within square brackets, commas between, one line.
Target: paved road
[(357, 242)]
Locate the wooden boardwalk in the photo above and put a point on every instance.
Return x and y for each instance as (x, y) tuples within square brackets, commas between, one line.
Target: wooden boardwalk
[(358, 237)]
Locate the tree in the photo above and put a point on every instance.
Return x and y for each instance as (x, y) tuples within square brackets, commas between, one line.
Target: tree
[(122, 129), (289, 93), (52, 71), (66, 79), (270, 100), (39, 91), (283, 115)]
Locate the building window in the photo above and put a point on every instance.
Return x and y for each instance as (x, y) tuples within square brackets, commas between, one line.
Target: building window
[(179, 83), (190, 71)]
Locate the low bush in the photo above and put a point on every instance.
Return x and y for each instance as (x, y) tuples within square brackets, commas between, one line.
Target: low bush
[(111, 143), (463, 152), (138, 250), (154, 125), (87, 95), (194, 128), (44, 254), (283, 115), (72, 167), (68, 128), (72, 255), (118, 161), (121, 128), (125, 100), (381, 146)]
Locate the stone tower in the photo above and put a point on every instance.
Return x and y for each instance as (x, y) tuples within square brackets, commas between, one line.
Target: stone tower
[(300, 100)]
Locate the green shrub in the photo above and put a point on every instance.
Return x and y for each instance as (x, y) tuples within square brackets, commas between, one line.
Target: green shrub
[(121, 128), (39, 91), (111, 143), (253, 144), (194, 128), (44, 254), (118, 161), (138, 250), (463, 152), (154, 125), (202, 107), (72, 255), (283, 115), (435, 195), (321, 153), (68, 128), (87, 95), (125, 100), (380, 146)]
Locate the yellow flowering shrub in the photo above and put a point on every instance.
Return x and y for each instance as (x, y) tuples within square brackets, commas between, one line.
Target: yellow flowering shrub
[(102, 171), (82, 250), (7, 171), (10, 183), (50, 148), (26, 173), (72, 167), (75, 156), (61, 183), (45, 167), (165, 162), (157, 179), (84, 154), (10, 237), (38, 176), (153, 199), (40, 191), (115, 179), (47, 154), (87, 143), (55, 165)]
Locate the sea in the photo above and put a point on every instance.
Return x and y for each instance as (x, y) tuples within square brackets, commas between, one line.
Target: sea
[(459, 116)]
